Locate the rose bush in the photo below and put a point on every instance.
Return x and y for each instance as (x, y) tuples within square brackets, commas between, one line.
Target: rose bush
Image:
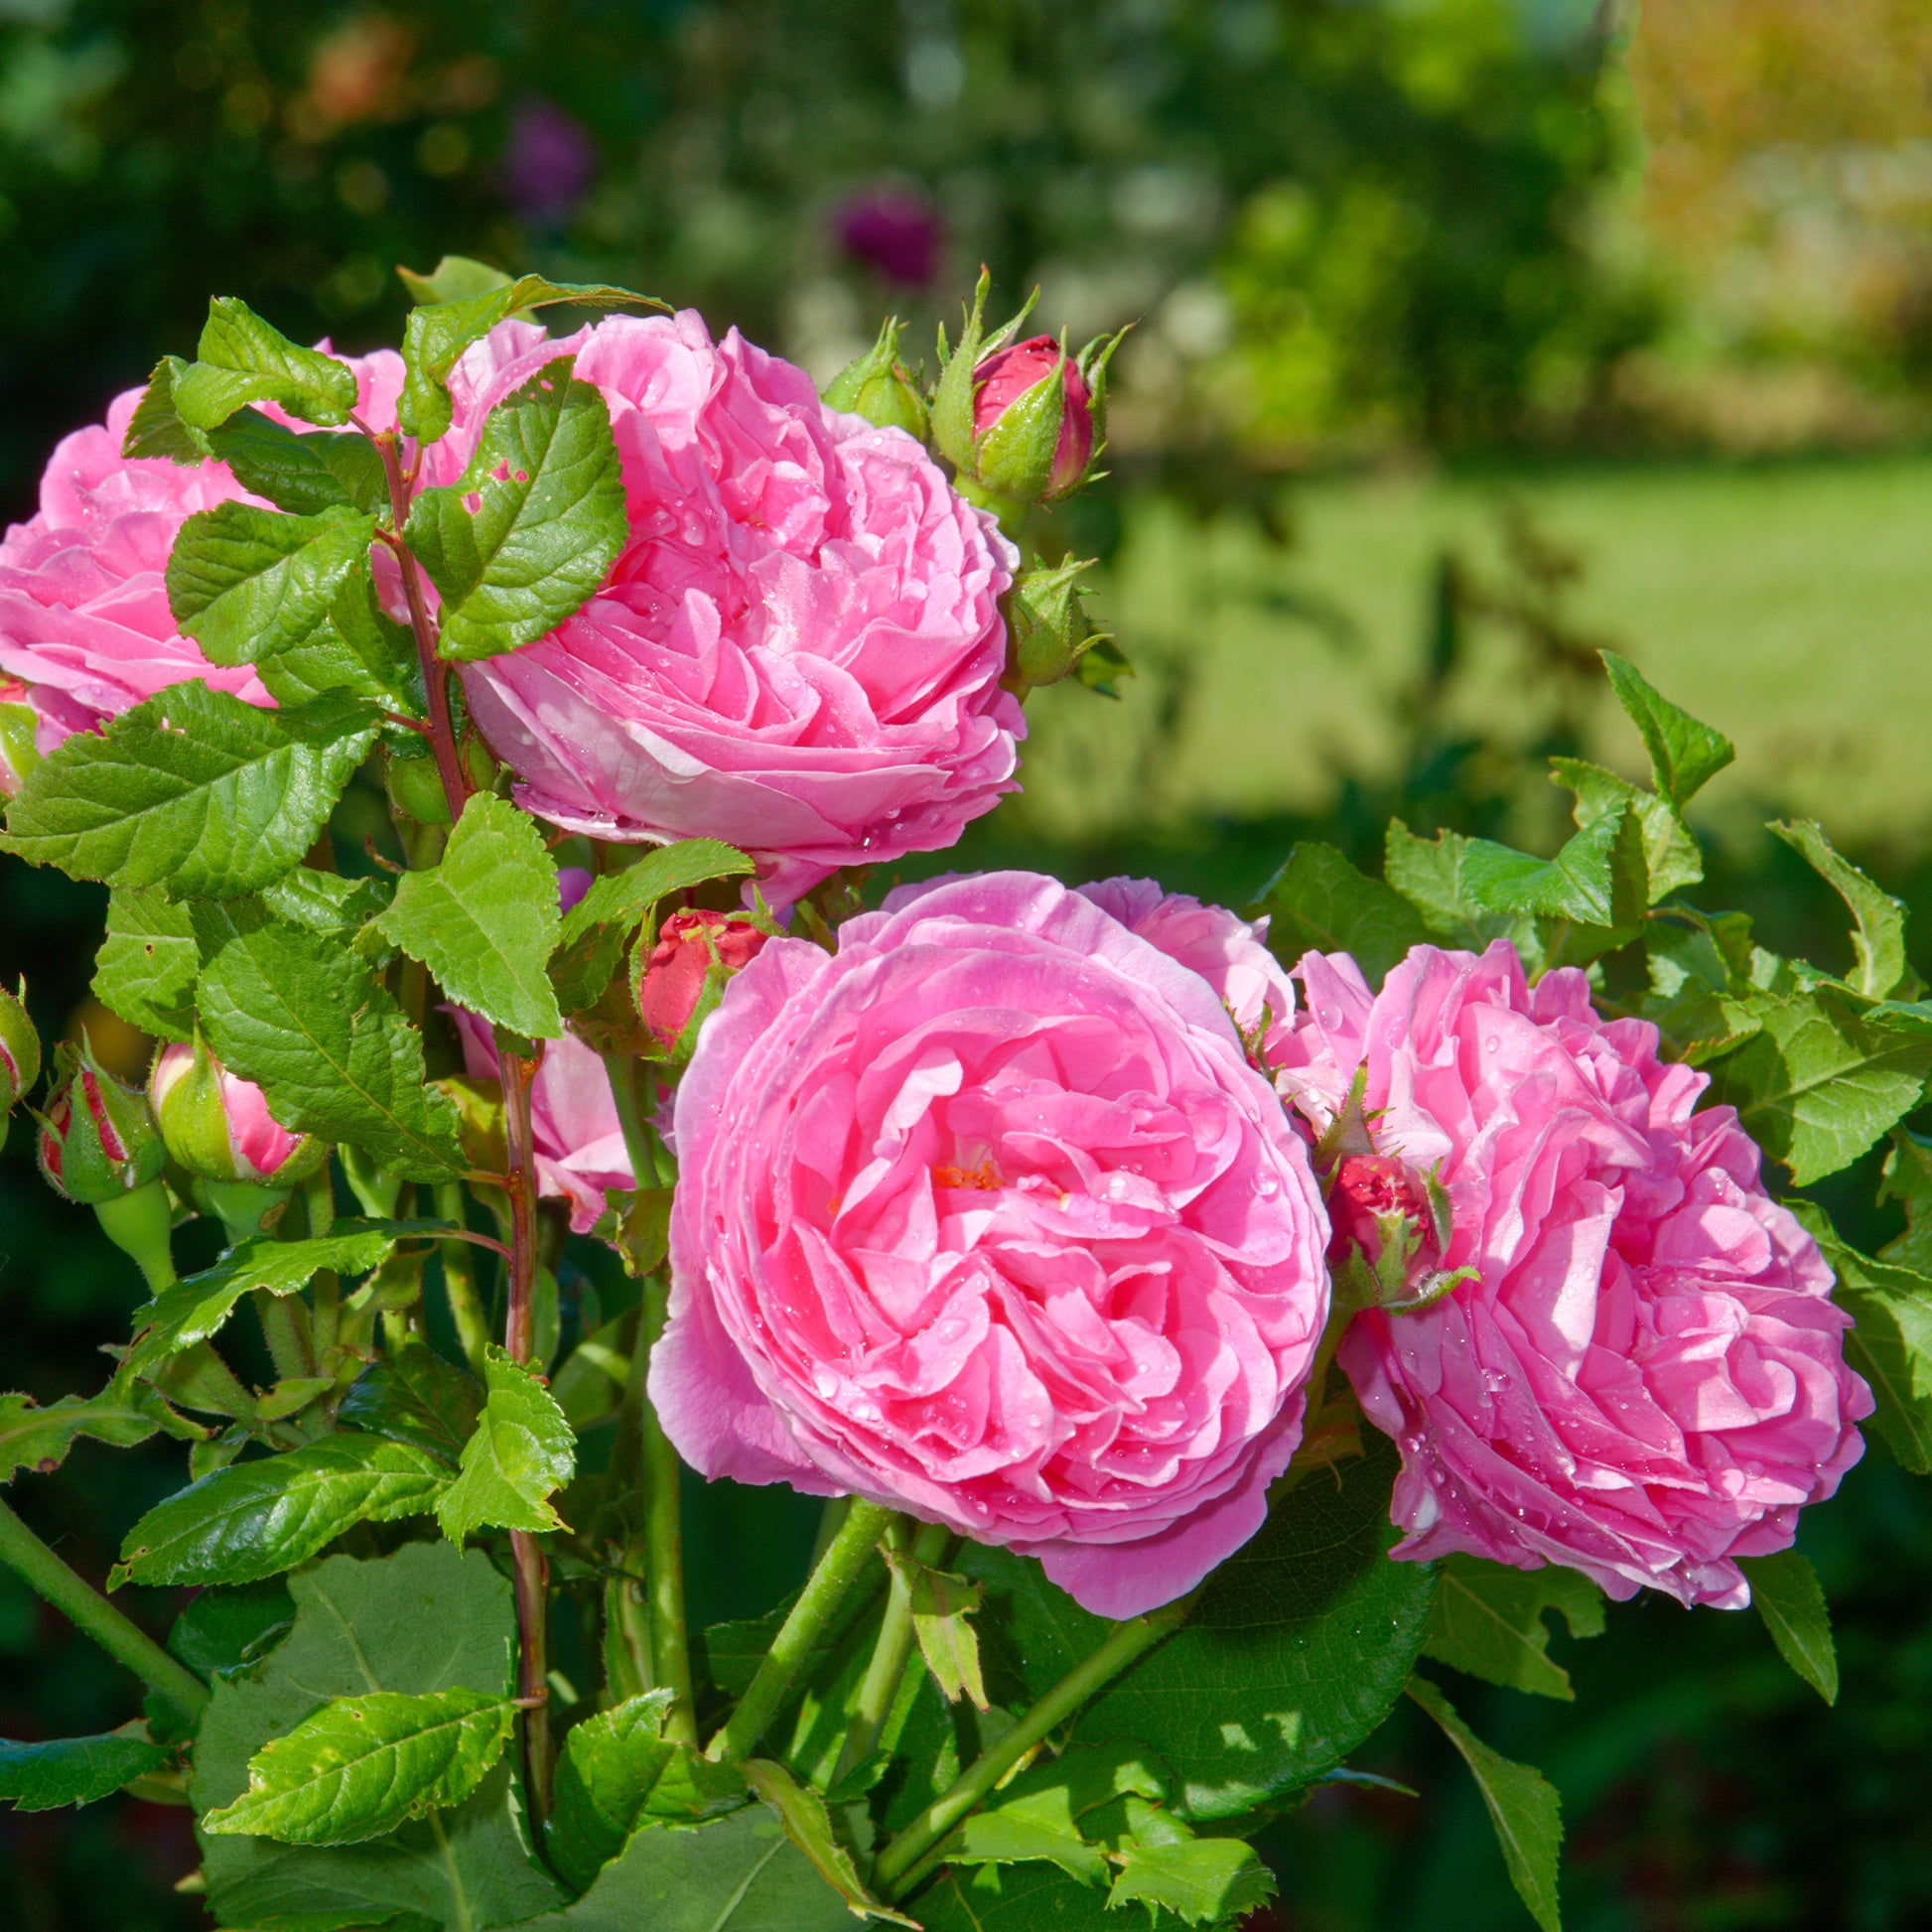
[(1646, 1378), (986, 1215), (798, 650)]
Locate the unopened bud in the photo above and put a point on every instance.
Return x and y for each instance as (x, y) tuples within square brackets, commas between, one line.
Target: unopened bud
[(1032, 420), (1391, 1230), (217, 1125), (20, 1050), (686, 972), (416, 785), (880, 387), (97, 1139), (1046, 627)]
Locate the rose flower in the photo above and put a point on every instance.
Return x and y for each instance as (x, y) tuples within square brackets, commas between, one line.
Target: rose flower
[(987, 1217), (1646, 1378)]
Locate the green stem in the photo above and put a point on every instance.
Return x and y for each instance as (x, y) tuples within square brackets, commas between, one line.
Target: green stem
[(325, 1291), (626, 1639), (1125, 1642), (892, 1652), (825, 1590), (670, 1647), (284, 1329), (459, 1278), (86, 1610), (829, 1519), (650, 1161)]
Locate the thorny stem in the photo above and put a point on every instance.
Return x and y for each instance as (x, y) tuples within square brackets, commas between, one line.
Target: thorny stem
[(533, 1685), (435, 673), (86, 1610), (904, 1861), (825, 1590)]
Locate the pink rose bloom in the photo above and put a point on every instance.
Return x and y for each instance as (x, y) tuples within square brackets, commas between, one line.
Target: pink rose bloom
[(84, 622), (799, 650), (1648, 1378), (987, 1217)]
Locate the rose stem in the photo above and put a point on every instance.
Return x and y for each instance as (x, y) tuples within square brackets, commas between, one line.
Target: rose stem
[(86, 1610), (533, 1678), (901, 1865), (825, 1590), (893, 1647), (638, 1423), (319, 1204), (435, 673), (459, 1278)]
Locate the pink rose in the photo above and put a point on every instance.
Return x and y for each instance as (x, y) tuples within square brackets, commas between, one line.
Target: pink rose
[(1647, 1377), (987, 1217), (800, 649), (84, 622)]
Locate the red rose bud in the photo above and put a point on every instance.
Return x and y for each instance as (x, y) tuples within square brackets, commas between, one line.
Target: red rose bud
[(880, 387), (1391, 1228), (97, 1139), (20, 1050), (1033, 420), (684, 978), (217, 1125)]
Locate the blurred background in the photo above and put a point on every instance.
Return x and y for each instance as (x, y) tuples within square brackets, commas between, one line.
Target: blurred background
[(1469, 336)]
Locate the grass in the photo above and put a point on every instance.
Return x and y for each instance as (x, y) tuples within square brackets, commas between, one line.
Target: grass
[(1789, 605)]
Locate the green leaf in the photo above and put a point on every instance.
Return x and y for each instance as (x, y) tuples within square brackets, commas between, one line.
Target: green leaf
[(241, 359), (225, 1630), (523, 1452), (808, 1825), (1200, 1880), (195, 1308), (423, 1620), (1319, 901), (1267, 1685), (1016, 1898), (1488, 1621), (1428, 874), (1523, 1807), (156, 428), (305, 1018), (1785, 1592), (546, 529), (484, 920), (361, 1766), (1892, 1343), (145, 969), (126, 1412), (410, 1394), (616, 1775), (1672, 856), (1575, 884), (193, 791), (255, 1519), (1684, 754), (595, 928), (325, 901), (442, 327), (305, 474), (1060, 1811), (738, 1874), (250, 583), (1817, 1083), (942, 1607), (73, 1770), (1881, 969), (1908, 1178), (454, 277)]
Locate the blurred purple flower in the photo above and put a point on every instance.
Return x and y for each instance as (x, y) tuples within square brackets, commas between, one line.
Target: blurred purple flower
[(895, 230), (549, 161)]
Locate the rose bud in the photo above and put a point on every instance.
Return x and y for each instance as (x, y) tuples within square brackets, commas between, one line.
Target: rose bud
[(685, 975), (20, 1050), (880, 387), (1391, 1230), (1032, 420), (1046, 629), (217, 1125), (99, 1144)]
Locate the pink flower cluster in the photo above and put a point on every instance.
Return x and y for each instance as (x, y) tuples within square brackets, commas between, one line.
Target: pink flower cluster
[(1646, 1377)]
